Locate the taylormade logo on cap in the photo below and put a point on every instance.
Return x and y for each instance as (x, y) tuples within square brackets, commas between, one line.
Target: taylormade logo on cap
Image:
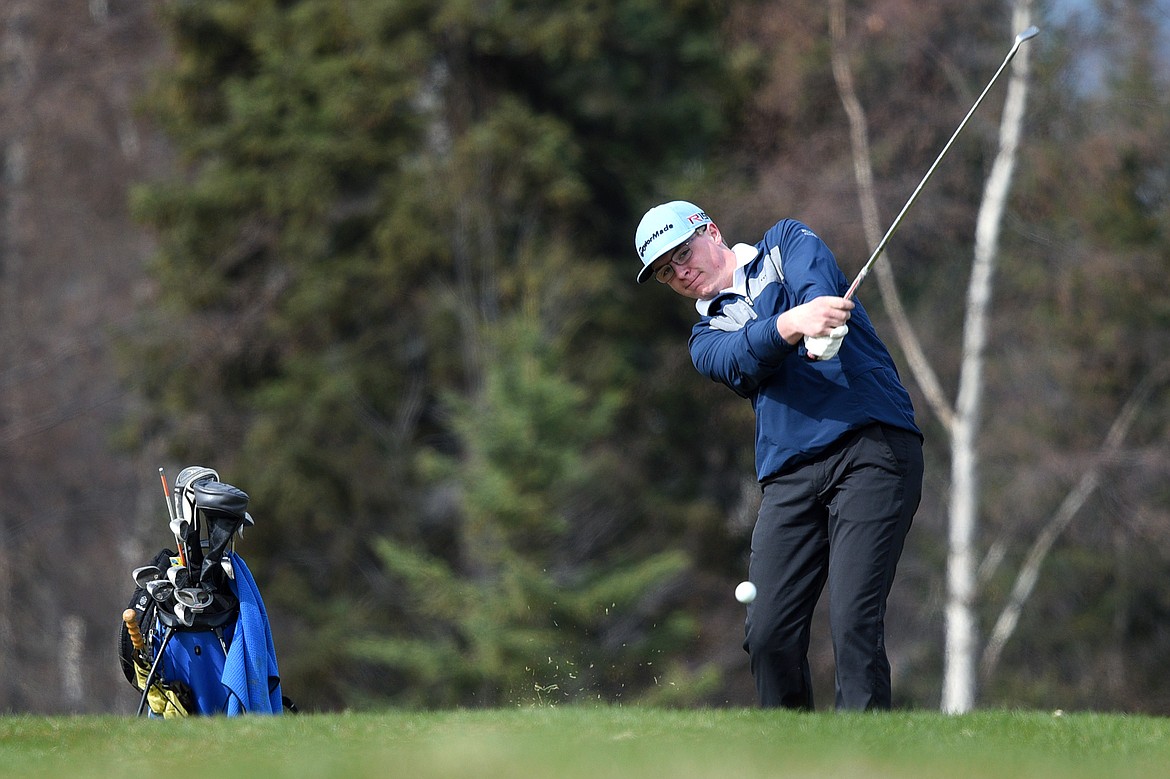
[(656, 234), (663, 228)]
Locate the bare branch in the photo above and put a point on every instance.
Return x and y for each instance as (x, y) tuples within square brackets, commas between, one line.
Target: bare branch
[(1029, 572), (863, 170)]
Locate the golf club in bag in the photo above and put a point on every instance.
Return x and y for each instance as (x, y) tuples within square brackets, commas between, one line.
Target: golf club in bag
[(195, 637)]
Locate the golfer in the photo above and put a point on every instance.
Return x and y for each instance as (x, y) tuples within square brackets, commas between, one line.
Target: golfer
[(838, 453)]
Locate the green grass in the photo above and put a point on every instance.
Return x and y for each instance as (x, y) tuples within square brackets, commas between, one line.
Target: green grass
[(592, 743)]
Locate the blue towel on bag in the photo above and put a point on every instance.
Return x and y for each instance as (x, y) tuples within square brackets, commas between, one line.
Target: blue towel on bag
[(250, 673)]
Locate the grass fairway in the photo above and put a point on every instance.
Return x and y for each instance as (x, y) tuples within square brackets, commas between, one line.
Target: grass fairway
[(592, 743)]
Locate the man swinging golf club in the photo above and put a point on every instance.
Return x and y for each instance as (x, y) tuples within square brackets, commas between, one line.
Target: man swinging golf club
[(838, 453)]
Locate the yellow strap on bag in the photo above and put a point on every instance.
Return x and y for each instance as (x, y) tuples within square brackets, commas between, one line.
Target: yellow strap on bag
[(163, 699)]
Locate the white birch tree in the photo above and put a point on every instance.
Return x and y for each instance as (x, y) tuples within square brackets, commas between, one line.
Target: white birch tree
[(962, 423), (959, 673)]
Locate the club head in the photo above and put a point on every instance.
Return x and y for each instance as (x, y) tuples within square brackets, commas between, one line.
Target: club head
[(184, 615), (194, 598), (180, 528), (1028, 34), (145, 574), (177, 576), (226, 564), (184, 489), (193, 473), (160, 590)]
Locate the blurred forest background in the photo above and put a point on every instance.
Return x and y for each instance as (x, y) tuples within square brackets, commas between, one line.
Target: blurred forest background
[(373, 262)]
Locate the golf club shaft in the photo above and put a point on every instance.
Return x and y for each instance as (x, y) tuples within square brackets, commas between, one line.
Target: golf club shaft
[(1031, 32), (152, 674), (171, 513), (162, 475)]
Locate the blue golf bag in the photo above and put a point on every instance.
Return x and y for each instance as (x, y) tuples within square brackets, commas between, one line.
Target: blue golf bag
[(195, 639)]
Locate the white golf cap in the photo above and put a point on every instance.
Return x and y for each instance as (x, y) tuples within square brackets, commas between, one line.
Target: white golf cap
[(663, 228)]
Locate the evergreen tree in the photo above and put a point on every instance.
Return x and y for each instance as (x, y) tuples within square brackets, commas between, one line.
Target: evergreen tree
[(384, 308)]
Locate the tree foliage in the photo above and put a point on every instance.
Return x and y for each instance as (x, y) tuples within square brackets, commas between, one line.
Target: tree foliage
[(380, 283), (393, 300)]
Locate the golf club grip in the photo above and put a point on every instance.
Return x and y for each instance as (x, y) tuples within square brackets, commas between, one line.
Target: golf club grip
[(130, 617)]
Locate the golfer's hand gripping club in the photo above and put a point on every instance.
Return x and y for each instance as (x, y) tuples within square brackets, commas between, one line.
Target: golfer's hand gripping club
[(825, 347), (821, 323)]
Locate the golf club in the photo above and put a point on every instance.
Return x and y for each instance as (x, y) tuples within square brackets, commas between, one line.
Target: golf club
[(162, 475), (1027, 34), (171, 513), (177, 576), (248, 522), (185, 487), (194, 598), (160, 590), (145, 575), (185, 615), (152, 674), (180, 528)]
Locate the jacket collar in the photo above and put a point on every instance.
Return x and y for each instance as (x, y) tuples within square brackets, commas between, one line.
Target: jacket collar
[(745, 254)]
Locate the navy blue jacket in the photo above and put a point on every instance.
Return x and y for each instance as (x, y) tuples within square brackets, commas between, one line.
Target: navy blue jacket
[(802, 406)]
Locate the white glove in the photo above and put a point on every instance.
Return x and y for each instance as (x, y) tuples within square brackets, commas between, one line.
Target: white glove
[(825, 347)]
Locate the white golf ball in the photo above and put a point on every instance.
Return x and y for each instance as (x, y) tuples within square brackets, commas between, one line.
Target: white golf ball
[(745, 592)]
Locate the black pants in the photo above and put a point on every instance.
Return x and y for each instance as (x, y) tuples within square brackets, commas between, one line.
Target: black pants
[(841, 518)]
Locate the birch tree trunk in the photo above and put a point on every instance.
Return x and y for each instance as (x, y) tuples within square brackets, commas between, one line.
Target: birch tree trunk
[(959, 672)]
